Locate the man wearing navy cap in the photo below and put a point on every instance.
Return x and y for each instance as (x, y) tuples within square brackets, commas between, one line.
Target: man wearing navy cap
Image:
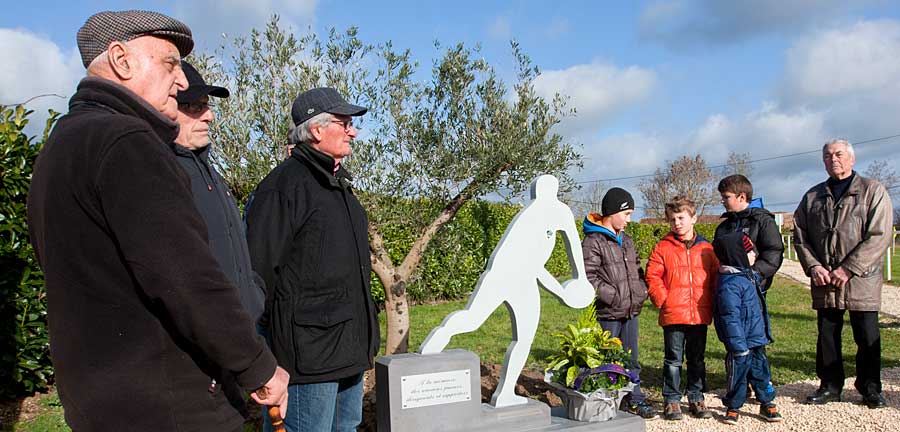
[(224, 228), (308, 238)]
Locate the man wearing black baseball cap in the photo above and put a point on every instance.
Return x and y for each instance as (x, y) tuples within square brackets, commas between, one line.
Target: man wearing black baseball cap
[(308, 238), (141, 318), (213, 199)]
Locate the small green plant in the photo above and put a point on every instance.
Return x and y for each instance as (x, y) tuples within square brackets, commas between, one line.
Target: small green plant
[(588, 358)]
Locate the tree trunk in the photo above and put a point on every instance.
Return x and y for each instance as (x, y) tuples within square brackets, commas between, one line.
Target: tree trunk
[(395, 278)]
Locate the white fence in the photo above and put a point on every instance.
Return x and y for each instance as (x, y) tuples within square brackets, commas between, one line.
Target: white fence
[(791, 254)]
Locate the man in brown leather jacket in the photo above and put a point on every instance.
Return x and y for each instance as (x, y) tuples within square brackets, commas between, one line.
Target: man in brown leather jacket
[(843, 227)]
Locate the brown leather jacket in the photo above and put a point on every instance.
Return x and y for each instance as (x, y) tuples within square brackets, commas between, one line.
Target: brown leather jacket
[(615, 273), (852, 233)]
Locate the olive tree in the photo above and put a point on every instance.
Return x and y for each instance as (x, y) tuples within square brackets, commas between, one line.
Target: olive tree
[(426, 147)]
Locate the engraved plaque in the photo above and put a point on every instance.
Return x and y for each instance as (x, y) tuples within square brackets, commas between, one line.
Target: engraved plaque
[(435, 388)]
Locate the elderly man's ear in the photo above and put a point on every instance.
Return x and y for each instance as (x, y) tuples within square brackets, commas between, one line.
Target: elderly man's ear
[(119, 59)]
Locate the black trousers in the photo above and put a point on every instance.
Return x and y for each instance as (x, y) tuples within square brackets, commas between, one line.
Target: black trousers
[(829, 362)]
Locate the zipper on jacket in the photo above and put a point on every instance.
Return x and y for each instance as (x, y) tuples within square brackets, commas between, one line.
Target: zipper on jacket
[(690, 274)]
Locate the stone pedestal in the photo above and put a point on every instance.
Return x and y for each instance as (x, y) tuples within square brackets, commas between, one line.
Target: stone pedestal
[(442, 393)]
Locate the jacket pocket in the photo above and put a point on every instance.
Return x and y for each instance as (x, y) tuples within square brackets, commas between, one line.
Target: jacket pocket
[(324, 339)]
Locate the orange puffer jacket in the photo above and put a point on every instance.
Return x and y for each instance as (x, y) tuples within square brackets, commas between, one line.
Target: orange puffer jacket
[(682, 281)]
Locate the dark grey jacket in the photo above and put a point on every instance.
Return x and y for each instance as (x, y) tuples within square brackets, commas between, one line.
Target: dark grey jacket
[(852, 233), (227, 240), (614, 271)]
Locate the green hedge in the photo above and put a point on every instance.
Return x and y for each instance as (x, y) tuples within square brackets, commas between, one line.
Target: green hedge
[(25, 361), (458, 255)]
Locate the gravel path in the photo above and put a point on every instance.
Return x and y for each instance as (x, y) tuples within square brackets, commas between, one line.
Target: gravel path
[(832, 417), (890, 294)]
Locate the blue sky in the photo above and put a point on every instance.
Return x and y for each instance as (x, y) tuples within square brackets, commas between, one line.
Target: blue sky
[(651, 80)]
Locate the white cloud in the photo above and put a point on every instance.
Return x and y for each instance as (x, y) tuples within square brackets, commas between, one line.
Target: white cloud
[(210, 19), (682, 24), (843, 62), (597, 90), (500, 28), (33, 65)]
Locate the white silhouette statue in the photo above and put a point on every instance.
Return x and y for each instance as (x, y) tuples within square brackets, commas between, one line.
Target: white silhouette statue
[(512, 277)]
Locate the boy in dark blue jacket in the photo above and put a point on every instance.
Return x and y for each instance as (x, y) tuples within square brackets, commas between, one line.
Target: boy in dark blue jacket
[(742, 324)]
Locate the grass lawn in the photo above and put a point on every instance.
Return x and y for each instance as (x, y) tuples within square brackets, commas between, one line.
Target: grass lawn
[(792, 356)]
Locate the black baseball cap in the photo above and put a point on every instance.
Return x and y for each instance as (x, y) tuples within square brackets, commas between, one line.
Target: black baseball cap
[(323, 99), (197, 88)]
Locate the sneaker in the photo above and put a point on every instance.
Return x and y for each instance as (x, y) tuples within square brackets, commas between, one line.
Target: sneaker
[(699, 410), (640, 409), (672, 411), (731, 417), (770, 412)]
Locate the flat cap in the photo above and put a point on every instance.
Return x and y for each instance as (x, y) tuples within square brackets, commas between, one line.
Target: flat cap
[(103, 28)]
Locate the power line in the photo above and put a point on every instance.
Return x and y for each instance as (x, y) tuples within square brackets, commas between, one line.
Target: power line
[(36, 97), (748, 162)]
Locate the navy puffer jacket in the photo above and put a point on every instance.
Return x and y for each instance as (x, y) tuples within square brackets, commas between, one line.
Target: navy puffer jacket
[(740, 314)]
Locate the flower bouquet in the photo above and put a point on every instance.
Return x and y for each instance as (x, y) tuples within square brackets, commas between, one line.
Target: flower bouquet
[(589, 371)]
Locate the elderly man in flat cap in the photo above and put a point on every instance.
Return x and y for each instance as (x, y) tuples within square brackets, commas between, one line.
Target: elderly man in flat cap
[(142, 320), (308, 238)]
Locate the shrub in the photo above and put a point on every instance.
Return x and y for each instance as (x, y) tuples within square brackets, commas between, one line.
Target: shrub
[(25, 361)]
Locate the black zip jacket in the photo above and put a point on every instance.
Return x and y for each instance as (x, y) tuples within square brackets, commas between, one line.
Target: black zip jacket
[(759, 224), (225, 229), (308, 238), (141, 318)]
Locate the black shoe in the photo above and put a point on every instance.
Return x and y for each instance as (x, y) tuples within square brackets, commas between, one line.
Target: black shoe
[(731, 417), (640, 409), (770, 412), (823, 396), (875, 401)]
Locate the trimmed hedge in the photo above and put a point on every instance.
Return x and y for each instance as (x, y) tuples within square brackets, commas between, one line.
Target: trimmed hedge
[(25, 360), (458, 255)]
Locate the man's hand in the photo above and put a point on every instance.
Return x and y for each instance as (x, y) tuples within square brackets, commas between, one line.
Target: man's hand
[(275, 391), (839, 277), (820, 276)]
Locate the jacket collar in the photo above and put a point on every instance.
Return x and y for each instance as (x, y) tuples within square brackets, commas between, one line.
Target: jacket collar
[(670, 237), (116, 98), (322, 166)]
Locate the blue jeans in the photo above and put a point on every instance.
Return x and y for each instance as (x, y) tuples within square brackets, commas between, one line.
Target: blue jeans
[(627, 331), (684, 341), (752, 368), (334, 406)]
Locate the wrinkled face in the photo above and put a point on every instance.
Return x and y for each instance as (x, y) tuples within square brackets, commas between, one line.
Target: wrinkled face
[(619, 220), (334, 138), (732, 202), (157, 74), (194, 119), (838, 161), (682, 224)]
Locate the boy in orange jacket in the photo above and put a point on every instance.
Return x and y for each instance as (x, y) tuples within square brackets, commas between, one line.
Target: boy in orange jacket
[(681, 277)]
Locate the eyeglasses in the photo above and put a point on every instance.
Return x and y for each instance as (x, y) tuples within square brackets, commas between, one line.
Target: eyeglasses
[(194, 107), (347, 124)]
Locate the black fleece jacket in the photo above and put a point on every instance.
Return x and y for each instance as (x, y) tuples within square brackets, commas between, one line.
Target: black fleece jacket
[(308, 238), (141, 318), (759, 224)]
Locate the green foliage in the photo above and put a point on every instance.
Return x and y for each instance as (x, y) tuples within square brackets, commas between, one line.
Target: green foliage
[(646, 236), (458, 255), (586, 346), (25, 362)]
